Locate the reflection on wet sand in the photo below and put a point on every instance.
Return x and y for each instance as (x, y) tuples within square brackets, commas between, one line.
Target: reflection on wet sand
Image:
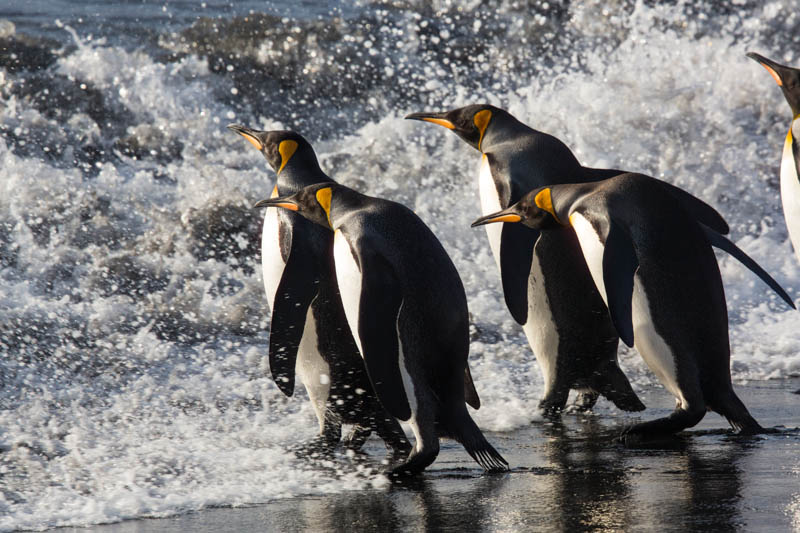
[(567, 476), (590, 487)]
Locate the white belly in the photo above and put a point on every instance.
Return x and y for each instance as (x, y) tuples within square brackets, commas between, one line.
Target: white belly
[(272, 263), (651, 346), (592, 248), (408, 384), (540, 329), (349, 279), (790, 193), (490, 203), (312, 369)]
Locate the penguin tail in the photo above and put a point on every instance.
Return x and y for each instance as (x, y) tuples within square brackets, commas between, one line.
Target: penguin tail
[(463, 429), (612, 383), (740, 419)]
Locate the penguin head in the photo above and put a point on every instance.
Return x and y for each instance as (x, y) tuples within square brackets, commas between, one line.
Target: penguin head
[(283, 149), (534, 210), (787, 78), (471, 123), (312, 202)]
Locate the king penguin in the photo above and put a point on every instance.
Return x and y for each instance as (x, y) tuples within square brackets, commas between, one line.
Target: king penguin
[(788, 79), (653, 264), (407, 310), (309, 334), (547, 288)]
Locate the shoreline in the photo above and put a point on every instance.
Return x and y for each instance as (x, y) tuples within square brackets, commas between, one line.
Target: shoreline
[(566, 475)]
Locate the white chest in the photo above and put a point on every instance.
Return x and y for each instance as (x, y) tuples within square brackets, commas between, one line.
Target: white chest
[(312, 369), (790, 190), (592, 248), (490, 203), (272, 263), (651, 346), (540, 328), (348, 277)]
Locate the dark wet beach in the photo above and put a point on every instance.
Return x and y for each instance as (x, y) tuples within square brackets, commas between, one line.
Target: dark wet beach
[(567, 477)]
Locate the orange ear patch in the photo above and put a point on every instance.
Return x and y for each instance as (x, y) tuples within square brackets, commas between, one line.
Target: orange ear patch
[(286, 149), (544, 200), (324, 198), (481, 120)]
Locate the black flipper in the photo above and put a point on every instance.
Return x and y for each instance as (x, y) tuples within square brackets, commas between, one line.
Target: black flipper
[(698, 209), (516, 253), (296, 290), (619, 266), (470, 394), (379, 308), (726, 245)]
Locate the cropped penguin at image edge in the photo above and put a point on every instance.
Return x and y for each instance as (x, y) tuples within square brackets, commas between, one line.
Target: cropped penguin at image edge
[(407, 309), (788, 79), (653, 263)]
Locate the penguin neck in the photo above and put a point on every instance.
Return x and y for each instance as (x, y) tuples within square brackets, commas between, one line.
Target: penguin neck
[(508, 129), (794, 128), (293, 178), (343, 202), (564, 197)]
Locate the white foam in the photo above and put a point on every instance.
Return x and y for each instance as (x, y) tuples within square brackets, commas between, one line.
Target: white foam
[(121, 421)]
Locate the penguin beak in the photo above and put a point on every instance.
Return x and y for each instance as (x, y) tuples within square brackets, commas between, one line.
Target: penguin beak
[(501, 216), (249, 134), (435, 118), (278, 202), (772, 67)]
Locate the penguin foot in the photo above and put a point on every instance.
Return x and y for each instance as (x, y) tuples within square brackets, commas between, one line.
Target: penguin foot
[(639, 435), (652, 441), (415, 464)]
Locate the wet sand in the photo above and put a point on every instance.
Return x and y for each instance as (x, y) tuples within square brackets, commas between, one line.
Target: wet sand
[(567, 476)]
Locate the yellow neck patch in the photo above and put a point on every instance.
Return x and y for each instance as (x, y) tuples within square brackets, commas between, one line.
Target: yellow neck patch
[(274, 192), (481, 120), (544, 200), (286, 149), (324, 199)]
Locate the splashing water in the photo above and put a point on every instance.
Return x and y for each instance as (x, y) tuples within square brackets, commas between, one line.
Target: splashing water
[(133, 325)]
